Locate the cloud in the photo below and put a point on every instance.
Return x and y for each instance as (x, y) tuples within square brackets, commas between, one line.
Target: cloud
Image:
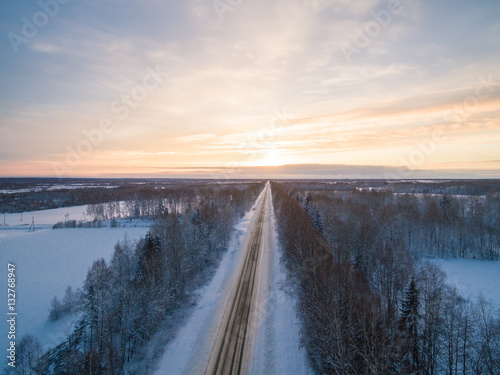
[(225, 79), (195, 138), (45, 47)]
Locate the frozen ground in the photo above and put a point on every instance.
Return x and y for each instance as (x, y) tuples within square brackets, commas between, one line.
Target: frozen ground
[(47, 261), (472, 277)]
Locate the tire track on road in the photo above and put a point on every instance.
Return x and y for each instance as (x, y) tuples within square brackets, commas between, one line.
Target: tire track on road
[(230, 352)]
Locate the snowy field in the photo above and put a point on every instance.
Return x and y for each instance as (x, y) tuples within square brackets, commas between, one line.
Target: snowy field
[(43, 219), (472, 277), (47, 261)]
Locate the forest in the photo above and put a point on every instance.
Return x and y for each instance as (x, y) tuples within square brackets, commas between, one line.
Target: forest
[(368, 300), (357, 257), (125, 302), (30, 194)]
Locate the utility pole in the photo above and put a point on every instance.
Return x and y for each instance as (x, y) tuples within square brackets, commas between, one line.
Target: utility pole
[(32, 226)]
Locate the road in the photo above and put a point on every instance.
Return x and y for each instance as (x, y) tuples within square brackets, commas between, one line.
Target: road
[(230, 352), (245, 320)]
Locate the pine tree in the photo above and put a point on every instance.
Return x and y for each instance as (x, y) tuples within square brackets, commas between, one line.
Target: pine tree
[(409, 324), (151, 260), (196, 217), (410, 304), (56, 310), (318, 222), (315, 216)]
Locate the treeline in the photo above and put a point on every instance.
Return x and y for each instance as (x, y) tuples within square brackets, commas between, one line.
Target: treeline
[(427, 225), (137, 208), (124, 303), (152, 206), (367, 307), (141, 208), (42, 194), (451, 187)]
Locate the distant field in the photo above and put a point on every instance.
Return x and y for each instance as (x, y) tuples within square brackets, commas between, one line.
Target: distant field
[(48, 261)]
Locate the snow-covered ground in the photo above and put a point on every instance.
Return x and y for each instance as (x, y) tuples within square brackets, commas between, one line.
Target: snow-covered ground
[(47, 261), (276, 335), (44, 218), (472, 277), (56, 187)]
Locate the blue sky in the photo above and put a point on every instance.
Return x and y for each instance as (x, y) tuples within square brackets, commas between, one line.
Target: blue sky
[(259, 83)]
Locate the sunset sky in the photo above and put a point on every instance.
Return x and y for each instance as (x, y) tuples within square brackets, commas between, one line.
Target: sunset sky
[(184, 88)]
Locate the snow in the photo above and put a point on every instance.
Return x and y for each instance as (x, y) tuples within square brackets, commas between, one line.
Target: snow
[(44, 217), (276, 327), (471, 277), (440, 195), (56, 188), (47, 261)]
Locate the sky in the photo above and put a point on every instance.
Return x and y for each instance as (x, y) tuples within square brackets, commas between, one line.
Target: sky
[(107, 88)]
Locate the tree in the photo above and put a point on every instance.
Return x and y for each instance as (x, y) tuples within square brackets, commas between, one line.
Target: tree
[(122, 266), (70, 300), (432, 292), (409, 323), (29, 355), (97, 292), (56, 311), (151, 260), (391, 268), (487, 340)]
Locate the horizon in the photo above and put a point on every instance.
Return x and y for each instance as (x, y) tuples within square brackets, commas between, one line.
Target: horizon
[(292, 172), (318, 89)]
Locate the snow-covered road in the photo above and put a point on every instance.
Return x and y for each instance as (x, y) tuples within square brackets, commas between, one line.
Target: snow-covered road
[(271, 344), (276, 327)]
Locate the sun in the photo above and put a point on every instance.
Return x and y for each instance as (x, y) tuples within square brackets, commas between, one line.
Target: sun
[(271, 158)]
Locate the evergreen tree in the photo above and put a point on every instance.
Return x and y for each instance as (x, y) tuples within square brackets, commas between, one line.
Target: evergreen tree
[(151, 260), (56, 310), (314, 215), (409, 325), (318, 222), (195, 217)]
